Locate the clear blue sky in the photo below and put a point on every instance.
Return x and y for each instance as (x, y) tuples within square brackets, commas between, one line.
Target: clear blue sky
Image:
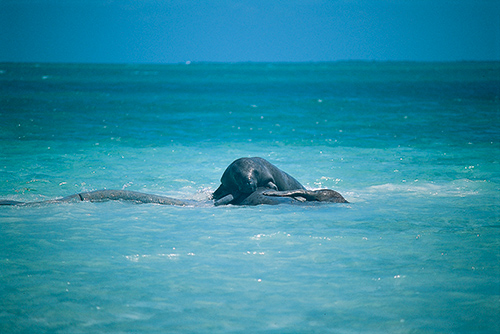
[(173, 31)]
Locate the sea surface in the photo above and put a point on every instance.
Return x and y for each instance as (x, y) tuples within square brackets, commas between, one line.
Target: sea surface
[(414, 148)]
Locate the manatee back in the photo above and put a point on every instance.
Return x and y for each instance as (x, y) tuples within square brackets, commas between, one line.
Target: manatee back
[(283, 180)]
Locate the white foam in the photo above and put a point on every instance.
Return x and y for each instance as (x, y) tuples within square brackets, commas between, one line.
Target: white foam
[(459, 188)]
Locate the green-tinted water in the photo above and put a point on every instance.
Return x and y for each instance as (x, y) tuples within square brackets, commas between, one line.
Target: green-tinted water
[(413, 146)]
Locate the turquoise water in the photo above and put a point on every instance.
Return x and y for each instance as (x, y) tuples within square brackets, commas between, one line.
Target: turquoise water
[(414, 147)]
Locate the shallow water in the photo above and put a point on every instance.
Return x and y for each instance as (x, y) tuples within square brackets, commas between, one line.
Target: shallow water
[(413, 146)]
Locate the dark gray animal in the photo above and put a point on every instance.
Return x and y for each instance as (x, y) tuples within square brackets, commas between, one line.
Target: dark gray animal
[(247, 181), (260, 196), (303, 195), (298, 196), (245, 175), (109, 195)]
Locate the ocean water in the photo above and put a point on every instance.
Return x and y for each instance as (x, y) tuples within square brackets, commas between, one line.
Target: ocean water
[(414, 148)]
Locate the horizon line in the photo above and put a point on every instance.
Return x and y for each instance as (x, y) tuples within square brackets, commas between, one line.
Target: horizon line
[(190, 62)]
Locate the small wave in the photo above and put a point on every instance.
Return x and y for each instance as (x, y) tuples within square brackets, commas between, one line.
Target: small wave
[(156, 257), (459, 188)]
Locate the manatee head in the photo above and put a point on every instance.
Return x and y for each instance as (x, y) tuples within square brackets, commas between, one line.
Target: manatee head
[(241, 175)]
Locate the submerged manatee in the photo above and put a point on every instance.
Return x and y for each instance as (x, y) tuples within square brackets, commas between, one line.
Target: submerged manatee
[(260, 196), (109, 195), (247, 181)]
